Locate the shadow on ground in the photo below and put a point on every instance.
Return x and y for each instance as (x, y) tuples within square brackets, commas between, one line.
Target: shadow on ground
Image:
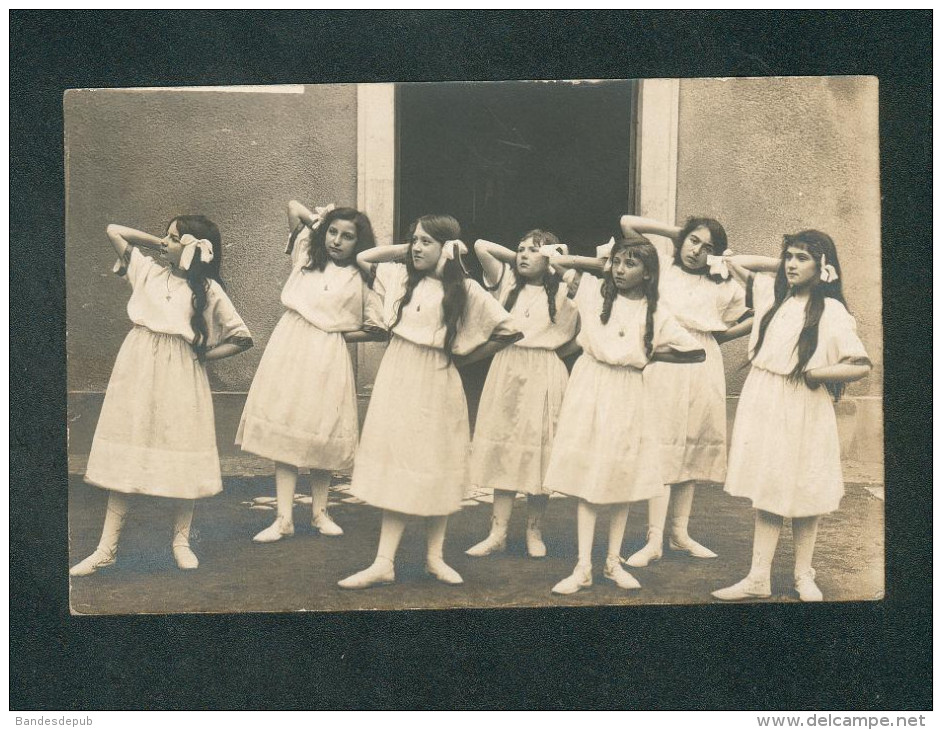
[(301, 573)]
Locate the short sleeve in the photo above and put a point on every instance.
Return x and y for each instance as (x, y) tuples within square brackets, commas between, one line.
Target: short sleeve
[(761, 292), (734, 306), (670, 333), (588, 296), (300, 247), (389, 277), (222, 319), (136, 266), (665, 250), (372, 310), (838, 341), (508, 280), (484, 319)]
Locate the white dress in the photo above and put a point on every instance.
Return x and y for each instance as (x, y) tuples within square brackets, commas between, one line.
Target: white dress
[(520, 403), (301, 408), (785, 454), (692, 396), (156, 434), (413, 453), (607, 444)]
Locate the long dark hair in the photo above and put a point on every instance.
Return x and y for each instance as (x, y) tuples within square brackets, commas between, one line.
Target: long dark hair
[(717, 238), (637, 247), (551, 279), (200, 273), (817, 244), (318, 256), (442, 228)]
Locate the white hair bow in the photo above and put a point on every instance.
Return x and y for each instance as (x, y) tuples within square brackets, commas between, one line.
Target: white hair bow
[(828, 272), (320, 214), (450, 247), (452, 250), (191, 245), (718, 265), (551, 252), (605, 252)]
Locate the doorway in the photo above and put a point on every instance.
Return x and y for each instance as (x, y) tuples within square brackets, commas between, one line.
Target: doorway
[(507, 157)]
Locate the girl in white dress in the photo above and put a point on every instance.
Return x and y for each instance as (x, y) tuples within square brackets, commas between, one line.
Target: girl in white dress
[(156, 434), (785, 454), (413, 454), (301, 410), (711, 306), (524, 389), (606, 447)]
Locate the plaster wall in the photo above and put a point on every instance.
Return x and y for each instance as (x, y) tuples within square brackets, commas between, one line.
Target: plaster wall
[(139, 157), (774, 156)]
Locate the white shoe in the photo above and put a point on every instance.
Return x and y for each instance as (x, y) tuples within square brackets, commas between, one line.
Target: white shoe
[(326, 526), (186, 559), (273, 533), (651, 552), (581, 578), (536, 548), (621, 577), (93, 563), (690, 547), (808, 590), (380, 573), (746, 588), (490, 545), (442, 571)]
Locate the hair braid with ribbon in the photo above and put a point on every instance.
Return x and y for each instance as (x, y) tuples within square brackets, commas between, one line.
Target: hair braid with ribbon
[(201, 261)]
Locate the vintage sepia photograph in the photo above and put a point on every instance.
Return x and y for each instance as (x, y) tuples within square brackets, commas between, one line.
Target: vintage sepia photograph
[(391, 346)]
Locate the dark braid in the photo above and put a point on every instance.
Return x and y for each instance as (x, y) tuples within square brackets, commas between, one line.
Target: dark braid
[(199, 285), (551, 284)]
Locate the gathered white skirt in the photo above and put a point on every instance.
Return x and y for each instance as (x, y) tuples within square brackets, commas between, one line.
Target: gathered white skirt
[(785, 454), (301, 408), (606, 449), (156, 434), (413, 453), (691, 400), (516, 423)]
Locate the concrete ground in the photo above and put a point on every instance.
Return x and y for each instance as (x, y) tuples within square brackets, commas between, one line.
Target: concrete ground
[(301, 573)]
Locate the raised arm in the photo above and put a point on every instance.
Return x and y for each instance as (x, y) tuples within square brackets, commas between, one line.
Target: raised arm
[(641, 225), (744, 267), (493, 256), (382, 254), (579, 263), (121, 237), (299, 214)]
